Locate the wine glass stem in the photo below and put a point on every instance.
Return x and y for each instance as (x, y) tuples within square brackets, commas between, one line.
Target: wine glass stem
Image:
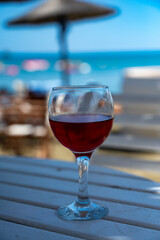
[(83, 165)]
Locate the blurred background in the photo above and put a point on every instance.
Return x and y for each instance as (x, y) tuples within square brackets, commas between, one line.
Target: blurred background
[(119, 48)]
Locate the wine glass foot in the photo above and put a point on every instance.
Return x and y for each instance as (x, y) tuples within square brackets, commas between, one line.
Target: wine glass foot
[(76, 211)]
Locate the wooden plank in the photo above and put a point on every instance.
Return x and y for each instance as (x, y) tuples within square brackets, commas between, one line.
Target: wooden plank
[(143, 120), (134, 108), (130, 142), (94, 178), (47, 219), (139, 124), (14, 231), (51, 163), (99, 192), (145, 99), (133, 215), (139, 104)]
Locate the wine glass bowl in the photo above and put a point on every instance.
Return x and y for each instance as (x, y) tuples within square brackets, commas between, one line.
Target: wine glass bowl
[(81, 118)]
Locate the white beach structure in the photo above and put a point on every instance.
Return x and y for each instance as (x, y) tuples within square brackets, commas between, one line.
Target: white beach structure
[(142, 81), (139, 122)]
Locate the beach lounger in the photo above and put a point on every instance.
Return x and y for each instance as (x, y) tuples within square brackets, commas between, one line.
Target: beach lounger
[(134, 104), (142, 80), (139, 124), (131, 143)]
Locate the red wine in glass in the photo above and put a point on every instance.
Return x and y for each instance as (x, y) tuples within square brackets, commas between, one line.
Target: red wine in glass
[(81, 118), (81, 133)]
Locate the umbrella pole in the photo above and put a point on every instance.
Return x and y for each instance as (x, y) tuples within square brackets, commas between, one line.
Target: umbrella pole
[(64, 52)]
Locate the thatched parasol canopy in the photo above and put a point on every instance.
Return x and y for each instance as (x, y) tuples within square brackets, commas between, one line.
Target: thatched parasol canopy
[(62, 11), (54, 10)]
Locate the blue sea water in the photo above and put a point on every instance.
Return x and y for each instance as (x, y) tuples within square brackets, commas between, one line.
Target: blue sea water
[(88, 68)]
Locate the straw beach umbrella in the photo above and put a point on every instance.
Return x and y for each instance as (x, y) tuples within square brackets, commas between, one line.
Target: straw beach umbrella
[(10, 1), (62, 11)]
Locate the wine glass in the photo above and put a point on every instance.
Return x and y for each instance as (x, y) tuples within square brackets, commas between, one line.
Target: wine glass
[(81, 118)]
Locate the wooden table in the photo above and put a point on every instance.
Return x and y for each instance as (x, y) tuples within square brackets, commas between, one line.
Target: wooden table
[(32, 189)]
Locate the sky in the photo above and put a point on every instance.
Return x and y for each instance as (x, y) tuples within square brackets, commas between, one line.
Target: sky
[(134, 28)]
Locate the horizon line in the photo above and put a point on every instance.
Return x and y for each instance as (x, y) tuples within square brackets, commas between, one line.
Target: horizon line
[(9, 52)]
